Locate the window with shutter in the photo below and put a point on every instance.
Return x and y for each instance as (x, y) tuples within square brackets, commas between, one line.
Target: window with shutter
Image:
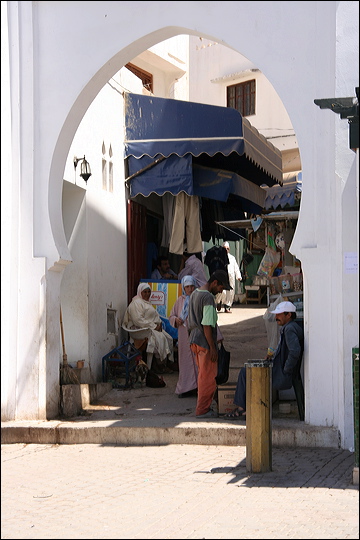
[(242, 97)]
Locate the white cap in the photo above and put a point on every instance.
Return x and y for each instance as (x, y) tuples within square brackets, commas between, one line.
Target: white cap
[(226, 245), (284, 306)]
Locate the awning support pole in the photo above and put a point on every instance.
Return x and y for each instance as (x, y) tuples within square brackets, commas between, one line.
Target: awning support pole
[(150, 166)]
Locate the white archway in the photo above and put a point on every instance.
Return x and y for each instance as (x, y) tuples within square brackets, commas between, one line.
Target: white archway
[(56, 71), (81, 106)]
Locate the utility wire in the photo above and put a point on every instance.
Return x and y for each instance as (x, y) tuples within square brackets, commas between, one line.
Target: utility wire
[(243, 237)]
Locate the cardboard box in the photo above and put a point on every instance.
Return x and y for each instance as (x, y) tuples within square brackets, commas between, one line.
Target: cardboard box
[(226, 394)]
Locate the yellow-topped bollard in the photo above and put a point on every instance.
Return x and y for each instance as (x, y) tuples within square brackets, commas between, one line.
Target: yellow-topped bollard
[(258, 416)]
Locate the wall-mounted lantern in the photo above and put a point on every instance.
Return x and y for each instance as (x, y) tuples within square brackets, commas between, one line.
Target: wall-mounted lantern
[(85, 171)]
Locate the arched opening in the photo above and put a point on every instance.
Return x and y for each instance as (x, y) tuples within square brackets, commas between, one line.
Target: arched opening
[(93, 289)]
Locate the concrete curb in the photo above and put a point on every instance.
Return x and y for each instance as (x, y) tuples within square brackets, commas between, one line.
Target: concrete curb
[(170, 430)]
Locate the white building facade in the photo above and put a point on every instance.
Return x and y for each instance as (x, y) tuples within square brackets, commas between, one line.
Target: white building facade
[(64, 240)]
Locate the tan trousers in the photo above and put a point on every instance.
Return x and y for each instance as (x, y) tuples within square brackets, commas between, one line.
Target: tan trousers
[(186, 215)]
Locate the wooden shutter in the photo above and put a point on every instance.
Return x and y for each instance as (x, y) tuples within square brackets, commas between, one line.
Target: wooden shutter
[(136, 246)]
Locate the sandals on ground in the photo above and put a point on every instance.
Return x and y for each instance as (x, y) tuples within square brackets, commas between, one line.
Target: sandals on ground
[(236, 414)]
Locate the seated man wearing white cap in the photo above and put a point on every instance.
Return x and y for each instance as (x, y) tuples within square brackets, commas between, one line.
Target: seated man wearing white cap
[(286, 358)]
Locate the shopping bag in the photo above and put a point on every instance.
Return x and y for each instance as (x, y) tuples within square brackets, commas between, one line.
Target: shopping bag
[(223, 365), (153, 380), (269, 262)]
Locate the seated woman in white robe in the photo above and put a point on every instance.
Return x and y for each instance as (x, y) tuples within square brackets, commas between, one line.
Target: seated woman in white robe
[(141, 314)]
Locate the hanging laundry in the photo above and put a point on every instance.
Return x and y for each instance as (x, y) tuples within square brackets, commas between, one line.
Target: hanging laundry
[(270, 239), (216, 258), (168, 204), (256, 222), (186, 224)]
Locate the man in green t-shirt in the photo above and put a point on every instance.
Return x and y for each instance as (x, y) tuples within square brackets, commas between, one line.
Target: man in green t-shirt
[(202, 325)]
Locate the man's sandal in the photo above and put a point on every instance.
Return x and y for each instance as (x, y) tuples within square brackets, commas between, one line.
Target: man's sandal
[(236, 414)]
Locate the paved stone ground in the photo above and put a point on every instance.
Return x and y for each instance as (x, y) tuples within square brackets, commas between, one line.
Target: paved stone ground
[(175, 491)]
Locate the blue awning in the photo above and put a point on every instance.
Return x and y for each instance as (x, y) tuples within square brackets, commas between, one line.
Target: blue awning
[(168, 175), (286, 195), (218, 185), (166, 139)]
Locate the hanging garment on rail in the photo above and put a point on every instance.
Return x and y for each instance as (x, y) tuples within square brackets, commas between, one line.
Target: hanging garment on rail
[(168, 205), (216, 258), (186, 224)]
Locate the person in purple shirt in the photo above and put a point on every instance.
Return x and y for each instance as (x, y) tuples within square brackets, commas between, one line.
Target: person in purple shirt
[(191, 265)]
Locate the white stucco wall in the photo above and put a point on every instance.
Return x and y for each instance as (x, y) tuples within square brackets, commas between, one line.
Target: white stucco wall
[(214, 67), (168, 61), (306, 50), (347, 197), (95, 227), (95, 219)]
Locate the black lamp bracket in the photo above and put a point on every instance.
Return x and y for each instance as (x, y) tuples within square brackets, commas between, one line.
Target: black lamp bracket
[(76, 161), (347, 108)]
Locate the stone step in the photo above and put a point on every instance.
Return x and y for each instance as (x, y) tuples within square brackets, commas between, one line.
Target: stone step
[(161, 431)]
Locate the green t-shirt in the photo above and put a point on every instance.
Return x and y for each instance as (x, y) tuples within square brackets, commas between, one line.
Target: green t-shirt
[(202, 311)]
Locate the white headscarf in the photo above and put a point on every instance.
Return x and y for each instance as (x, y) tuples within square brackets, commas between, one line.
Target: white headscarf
[(186, 280), (142, 287)]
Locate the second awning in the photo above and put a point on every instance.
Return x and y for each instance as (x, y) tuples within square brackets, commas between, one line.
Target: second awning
[(205, 135)]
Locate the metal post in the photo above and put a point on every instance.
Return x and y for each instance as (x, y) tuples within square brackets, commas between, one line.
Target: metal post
[(258, 416)]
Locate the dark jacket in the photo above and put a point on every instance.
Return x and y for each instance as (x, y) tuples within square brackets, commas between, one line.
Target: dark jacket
[(288, 355), (216, 258)]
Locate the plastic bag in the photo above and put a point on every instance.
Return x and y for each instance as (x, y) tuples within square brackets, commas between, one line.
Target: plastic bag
[(173, 332), (223, 365), (272, 328), (269, 262)]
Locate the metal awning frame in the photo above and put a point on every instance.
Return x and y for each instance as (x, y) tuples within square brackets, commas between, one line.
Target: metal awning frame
[(273, 216)]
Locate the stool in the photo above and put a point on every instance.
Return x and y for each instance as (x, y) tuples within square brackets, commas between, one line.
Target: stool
[(126, 354), (259, 293), (140, 335)]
